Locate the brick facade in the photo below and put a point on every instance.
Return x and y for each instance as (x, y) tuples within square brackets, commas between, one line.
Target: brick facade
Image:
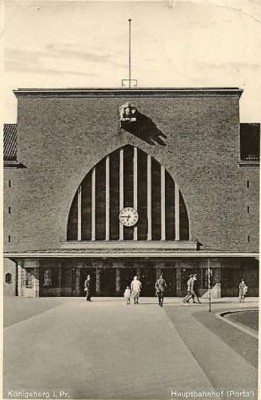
[(61, 136)]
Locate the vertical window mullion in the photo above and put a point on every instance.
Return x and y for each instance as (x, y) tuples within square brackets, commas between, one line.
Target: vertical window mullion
[(121, 191), (93, 203), (135, 187), (79, 214), (163, 204), (177, 219), (149, 210), (107, 190)]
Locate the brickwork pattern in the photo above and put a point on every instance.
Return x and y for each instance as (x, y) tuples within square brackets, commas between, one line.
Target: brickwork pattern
[(61, 139)]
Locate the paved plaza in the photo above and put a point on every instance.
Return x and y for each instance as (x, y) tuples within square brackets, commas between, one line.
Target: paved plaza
[(108, 350)]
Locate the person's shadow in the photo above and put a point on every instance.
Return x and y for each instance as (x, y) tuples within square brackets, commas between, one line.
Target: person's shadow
[(145, 129)]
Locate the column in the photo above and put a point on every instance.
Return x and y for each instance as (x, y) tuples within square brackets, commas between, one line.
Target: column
[(121, 192), (135, 188), (36, 280), (177, 223), (202, 272), (73, 281), (118, 281), (79, 231), (98, 281), (179, 282), (59, 279), (93, 202), (138, 272), (77, 280), (163, 222), (20, 280), (149, 208), (107, 200)]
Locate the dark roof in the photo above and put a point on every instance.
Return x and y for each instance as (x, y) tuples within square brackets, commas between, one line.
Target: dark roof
[(10, 142)]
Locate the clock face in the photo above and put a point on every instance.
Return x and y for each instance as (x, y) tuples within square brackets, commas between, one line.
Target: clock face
[(128, 216)]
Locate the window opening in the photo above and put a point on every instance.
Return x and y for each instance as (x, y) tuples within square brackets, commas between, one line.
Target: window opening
[(143, 180), (8, 278), (250, 142)]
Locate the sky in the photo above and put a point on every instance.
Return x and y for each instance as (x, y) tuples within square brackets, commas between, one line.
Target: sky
[(175, 43)]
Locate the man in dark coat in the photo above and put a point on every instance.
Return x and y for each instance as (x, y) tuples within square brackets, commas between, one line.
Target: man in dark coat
[(87, 288), (160, 287)]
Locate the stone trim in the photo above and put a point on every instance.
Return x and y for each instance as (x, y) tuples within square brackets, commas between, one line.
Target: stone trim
[(117, 254), (123, 92)]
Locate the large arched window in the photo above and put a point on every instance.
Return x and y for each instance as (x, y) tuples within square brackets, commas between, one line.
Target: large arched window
[(128, 177)]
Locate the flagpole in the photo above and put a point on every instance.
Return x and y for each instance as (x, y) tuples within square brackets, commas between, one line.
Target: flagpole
[(129, 83), (129, 53)]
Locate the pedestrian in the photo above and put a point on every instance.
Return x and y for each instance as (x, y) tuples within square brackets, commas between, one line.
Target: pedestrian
[(127, 294), (160, 287), (194, 290), (87, 288), (242, 291), (189, 289), (136, 289)]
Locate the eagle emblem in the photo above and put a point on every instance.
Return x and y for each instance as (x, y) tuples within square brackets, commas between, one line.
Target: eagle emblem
[(128, 113)]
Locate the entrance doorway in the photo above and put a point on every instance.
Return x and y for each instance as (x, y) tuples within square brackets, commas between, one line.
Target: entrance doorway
[(108, 282), (148, 278), (127, 275)]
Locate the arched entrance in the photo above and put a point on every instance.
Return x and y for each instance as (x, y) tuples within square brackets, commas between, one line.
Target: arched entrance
[(128, 179)]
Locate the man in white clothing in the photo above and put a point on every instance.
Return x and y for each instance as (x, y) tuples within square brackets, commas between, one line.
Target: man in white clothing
[(135, 289)]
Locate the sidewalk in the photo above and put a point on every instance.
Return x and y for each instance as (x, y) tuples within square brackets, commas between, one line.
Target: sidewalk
[(107, 350), (167, 300)]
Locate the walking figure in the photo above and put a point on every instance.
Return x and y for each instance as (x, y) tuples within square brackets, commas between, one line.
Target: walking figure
[(242, 291), (135, 289), (194, 290), (127, 294), (160, 287), (190, 282), (87, 288)]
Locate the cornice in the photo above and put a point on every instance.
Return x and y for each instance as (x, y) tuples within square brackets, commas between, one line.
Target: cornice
[(123, 92), (124, 254)]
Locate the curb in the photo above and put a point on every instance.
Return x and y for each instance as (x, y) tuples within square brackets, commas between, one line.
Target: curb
[(243, 328)]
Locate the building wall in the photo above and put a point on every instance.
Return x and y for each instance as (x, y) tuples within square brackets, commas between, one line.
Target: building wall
[(10, 205), (61, 138), (9, 286), (250, 200)]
